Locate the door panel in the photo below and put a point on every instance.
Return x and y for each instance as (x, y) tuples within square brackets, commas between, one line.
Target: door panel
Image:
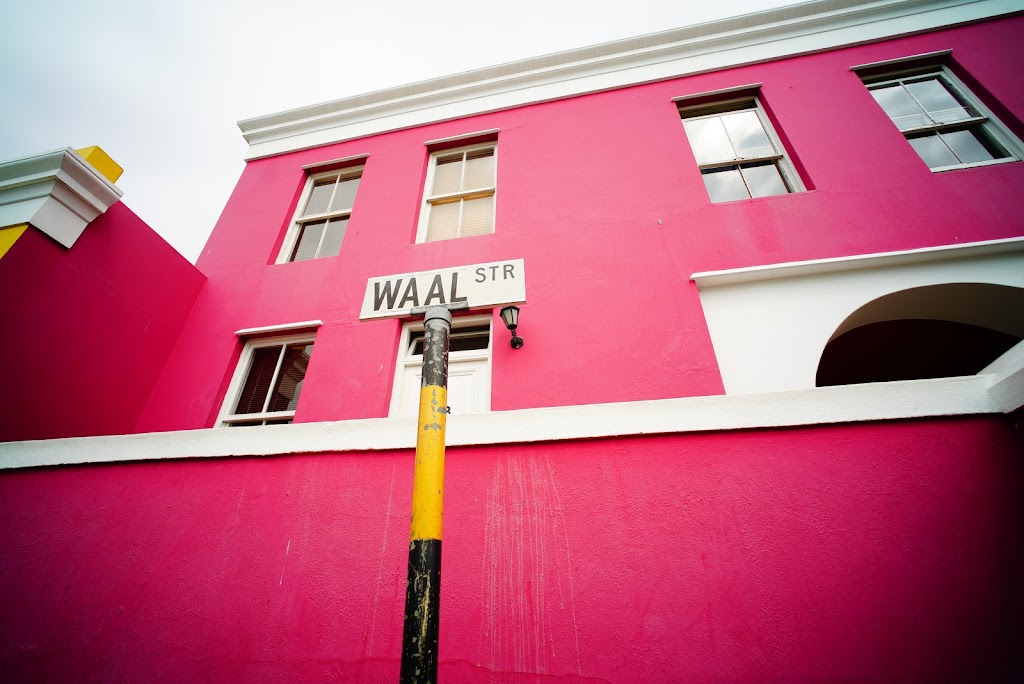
[(469, 388)]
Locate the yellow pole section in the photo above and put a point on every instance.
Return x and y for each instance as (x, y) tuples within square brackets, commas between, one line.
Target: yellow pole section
[(428, 474)]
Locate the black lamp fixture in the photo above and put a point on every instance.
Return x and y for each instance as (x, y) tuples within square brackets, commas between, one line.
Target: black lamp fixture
[(510, 314)]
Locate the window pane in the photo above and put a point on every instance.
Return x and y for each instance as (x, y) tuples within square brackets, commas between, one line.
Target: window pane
[(933, 151), (461, 339), (416, 344), (477, 216), (345, 196), (319, 198), (332, 241), (967, 147), (900, 107), (708, 140), (447, 174), (725, 185), (747, 135), (309, 240), (257, 383), (289, 381), (444, 221), (479, 170), (469, 339), (763, 180), (938, 101)]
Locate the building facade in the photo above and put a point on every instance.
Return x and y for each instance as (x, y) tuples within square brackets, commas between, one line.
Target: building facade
[(764, 425)]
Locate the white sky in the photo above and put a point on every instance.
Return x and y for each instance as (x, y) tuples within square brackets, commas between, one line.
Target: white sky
[(160, 85)]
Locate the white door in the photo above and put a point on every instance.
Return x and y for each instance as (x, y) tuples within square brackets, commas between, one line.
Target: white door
[(469, 369)]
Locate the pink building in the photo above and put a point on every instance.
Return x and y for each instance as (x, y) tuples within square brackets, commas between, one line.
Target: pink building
[(766, 423)]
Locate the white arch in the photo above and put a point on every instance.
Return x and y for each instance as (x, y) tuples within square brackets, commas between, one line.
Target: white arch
[(770, 324)]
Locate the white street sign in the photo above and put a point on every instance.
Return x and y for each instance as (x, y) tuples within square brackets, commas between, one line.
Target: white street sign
[(479, 285)]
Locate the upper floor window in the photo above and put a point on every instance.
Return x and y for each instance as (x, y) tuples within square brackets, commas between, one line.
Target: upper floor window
[(324, 211), (267, 382), (737, 150), (459, 194), (943, 121)]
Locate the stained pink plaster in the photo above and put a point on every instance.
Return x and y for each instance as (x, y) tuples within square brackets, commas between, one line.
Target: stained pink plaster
[(602, 197), (884, 552), (86, 330)]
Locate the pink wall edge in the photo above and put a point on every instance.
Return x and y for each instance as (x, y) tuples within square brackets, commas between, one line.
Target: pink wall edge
[(884, 552)]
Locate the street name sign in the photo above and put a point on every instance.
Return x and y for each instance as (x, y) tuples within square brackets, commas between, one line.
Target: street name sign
[(475, 286)]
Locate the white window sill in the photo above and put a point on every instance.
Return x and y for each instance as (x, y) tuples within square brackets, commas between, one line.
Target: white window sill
[(958, 167)]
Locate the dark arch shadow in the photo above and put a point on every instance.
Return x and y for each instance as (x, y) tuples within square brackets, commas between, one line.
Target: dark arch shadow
[(936, 331)]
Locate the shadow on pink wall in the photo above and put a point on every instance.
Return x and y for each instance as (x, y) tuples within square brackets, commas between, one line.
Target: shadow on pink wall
[(87, 330)]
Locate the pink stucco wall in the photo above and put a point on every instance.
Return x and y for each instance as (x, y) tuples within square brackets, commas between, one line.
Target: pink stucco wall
[(602, 197), (86, 330), (886, 552)]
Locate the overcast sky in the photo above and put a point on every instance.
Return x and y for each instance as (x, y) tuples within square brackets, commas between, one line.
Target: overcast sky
[(161, 85)]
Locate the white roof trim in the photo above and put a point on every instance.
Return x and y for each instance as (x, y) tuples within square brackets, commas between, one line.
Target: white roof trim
[(793, 269), (57, 192), (763, 36), (973, 395)]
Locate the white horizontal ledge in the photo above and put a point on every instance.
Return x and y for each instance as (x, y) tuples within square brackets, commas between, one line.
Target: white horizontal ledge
[(715, 93), (280, 327), (793, 269), (326, 165), (463, 136), (899, 61), (818, 406)]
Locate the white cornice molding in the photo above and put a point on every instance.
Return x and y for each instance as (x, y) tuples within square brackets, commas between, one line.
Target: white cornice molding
[(998, 392), (759, 37), (57, 192), (857, 262)]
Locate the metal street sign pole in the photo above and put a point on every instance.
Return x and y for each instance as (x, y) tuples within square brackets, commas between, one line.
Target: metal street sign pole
[(423, 593)]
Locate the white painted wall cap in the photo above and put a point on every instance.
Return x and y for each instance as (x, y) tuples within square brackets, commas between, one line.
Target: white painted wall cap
[(990, 394), (793, 269)]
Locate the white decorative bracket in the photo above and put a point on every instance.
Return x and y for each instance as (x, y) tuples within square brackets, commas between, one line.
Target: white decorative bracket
[(57, 192)]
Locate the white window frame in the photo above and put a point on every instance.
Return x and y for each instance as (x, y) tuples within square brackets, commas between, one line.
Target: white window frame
[(291, 238), (984, 120), (429, 200), (227, 417), (752, 102), (405, 360)]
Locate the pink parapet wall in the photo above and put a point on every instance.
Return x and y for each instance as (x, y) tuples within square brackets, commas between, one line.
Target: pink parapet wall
[(87, 330), (887, 553), (602, 198)]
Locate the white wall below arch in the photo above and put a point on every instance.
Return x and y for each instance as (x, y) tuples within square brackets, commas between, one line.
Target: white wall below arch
[(769, 324)]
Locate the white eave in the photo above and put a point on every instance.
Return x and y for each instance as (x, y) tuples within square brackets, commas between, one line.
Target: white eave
[(57, 192), (759, 37)]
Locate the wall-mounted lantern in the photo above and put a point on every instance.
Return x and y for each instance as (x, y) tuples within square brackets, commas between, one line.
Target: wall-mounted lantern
[(510, 314)]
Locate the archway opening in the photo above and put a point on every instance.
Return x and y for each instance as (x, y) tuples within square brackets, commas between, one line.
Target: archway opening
[(925, 332)]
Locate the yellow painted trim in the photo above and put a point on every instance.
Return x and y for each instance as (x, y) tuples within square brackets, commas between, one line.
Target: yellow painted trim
[(102, 162), (428, 474), (10, 235)]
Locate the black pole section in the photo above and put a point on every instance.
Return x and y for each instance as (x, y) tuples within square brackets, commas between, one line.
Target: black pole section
[(423, 592)]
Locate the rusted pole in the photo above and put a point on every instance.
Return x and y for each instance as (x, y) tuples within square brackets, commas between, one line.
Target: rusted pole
[(423, 592)]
